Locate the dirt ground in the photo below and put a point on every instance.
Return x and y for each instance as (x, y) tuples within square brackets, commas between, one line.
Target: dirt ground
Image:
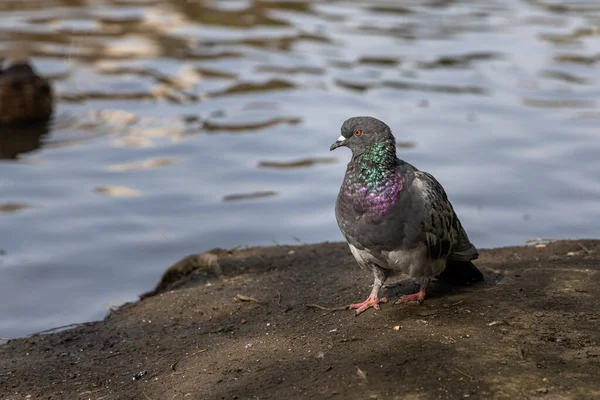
[(532, 331)]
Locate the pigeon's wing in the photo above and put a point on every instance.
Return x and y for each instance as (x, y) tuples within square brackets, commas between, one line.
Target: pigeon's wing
[(443, 232), (463, 250)]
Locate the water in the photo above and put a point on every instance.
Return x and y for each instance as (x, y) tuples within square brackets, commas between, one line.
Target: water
[(169, 113)]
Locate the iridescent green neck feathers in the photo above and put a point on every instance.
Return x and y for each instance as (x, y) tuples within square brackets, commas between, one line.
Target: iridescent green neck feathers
[(375, 161), (372, 182)]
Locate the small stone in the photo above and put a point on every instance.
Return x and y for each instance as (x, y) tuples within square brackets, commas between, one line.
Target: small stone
[(139, 375)]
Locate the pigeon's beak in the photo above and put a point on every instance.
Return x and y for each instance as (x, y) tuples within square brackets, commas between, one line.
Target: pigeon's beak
[(341, 141)]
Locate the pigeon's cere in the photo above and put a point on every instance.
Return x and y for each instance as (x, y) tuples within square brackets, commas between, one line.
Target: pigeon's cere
[(395, 218)]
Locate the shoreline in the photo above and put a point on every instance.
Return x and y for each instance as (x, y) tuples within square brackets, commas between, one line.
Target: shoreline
[(247, 324)]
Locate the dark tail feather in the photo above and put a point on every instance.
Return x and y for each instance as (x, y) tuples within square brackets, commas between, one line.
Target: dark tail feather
[(460, 271)]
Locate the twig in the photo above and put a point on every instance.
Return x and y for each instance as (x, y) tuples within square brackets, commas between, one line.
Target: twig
[(327, 308), (241, 297), (520, 352), (361, 374), (453, 304), (278, 299), (145, 395), (69, 326), (91, 392), (450, 339), (584, 248), (463, 373)]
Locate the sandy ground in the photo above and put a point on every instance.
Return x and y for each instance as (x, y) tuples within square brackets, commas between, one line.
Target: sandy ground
[(531, 331)]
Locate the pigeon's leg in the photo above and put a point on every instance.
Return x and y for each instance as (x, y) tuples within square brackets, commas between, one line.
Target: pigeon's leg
[(373, 300), (419, 296)]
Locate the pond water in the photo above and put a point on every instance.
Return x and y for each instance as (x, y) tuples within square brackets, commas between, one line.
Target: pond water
[(186, 125)]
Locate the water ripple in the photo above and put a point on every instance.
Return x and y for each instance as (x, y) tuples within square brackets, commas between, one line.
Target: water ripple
[(182, 126)]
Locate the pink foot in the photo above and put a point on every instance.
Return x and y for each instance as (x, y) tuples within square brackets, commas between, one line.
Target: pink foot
[(368, 303), (418, 297)]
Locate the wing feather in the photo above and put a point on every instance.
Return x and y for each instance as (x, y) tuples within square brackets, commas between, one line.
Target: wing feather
[(444, 234)]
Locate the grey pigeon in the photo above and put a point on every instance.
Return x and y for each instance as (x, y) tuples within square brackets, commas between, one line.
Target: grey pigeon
[(395, 218)]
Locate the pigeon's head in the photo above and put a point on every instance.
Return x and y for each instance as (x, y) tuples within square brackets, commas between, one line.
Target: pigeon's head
[(359, 133)]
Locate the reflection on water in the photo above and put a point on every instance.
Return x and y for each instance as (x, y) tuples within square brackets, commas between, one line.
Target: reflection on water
[(182, 126), (118, 191), (245, 127), (21, 138), (248, 196), (141, 165), (12, 207), (305, 162)]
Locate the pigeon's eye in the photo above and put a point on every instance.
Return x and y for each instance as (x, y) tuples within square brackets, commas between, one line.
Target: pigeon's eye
[(357, 132)]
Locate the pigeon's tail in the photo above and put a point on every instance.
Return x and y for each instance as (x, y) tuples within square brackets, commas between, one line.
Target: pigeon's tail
[(460, 271)]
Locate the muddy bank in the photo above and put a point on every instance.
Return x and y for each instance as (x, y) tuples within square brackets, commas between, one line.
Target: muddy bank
[(244, 331)]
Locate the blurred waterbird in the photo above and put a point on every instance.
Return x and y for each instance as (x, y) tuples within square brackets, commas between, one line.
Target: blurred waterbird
[(24, 96)]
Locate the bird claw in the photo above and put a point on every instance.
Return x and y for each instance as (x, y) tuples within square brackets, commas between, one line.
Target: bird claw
[(365, 305), (419, 297)]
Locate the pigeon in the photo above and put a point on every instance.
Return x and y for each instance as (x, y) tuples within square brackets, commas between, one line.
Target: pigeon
[(395, 218)]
